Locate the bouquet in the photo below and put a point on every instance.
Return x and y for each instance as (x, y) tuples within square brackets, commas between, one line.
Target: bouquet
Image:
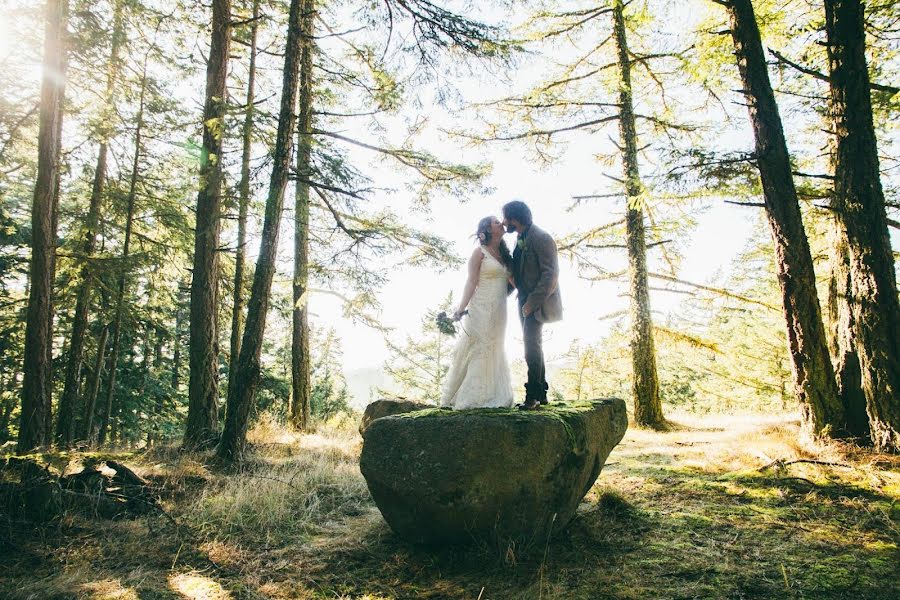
[(445, 324)]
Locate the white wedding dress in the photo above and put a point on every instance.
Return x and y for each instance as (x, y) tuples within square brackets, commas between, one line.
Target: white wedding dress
[(479, 374)]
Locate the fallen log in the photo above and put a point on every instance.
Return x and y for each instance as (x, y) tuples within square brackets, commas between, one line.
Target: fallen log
[(113, 492)]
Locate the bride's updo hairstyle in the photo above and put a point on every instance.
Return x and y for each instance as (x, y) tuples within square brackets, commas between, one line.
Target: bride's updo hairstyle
[(484, 235)]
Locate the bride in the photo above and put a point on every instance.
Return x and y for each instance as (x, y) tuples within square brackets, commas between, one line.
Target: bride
[(479, 374)]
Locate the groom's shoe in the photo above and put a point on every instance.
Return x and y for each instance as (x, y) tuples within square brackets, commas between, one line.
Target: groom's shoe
[(542, 394), (531, 404)]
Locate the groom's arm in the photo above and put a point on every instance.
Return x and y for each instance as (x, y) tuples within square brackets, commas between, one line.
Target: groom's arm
[(545, 250)]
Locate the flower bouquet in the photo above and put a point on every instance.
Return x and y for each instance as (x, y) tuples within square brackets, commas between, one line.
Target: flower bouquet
[(446, 324)]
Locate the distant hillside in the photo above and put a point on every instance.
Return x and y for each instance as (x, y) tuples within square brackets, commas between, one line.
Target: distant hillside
[(361, 383)]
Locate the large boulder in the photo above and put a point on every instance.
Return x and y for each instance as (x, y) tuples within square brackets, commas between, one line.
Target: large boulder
[(504, 475), (386, 408)]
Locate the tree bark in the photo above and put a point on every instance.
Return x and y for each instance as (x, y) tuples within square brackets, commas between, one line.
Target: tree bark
[(813, 375), (645, 386), (48, 415), (842, 340), (66, 413), (176, 352), (159, 340), (203, 393), (5, 414), (301, 370), (237, 312), (37, 384), (243, 393), (90, 407), (874, 308), (7, 405), (126, 249)]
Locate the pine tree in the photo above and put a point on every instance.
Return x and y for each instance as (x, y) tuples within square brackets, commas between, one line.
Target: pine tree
[(237, 310), (65, 426), (647, 405), (34, 430), (872, 317), (242, 394), (108, 407), (814, 380), (202, 420), (301, 372)]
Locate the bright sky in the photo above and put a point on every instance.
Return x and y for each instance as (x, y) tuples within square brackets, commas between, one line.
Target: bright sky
[(722, 232), (548, 191)]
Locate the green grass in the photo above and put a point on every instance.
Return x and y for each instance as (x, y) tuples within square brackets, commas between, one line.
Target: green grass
[(685, 513)]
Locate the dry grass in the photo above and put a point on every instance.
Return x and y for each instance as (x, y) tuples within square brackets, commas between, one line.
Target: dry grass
[(686, 513), (301, 486)]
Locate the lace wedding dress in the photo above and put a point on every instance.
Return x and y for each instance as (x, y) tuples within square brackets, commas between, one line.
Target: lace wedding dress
[(479, 374)]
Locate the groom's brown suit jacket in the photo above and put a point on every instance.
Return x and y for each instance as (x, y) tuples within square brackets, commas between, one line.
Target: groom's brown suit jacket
[(536, 273)]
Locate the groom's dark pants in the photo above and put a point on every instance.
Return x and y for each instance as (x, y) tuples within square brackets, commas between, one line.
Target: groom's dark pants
[(532, 333)]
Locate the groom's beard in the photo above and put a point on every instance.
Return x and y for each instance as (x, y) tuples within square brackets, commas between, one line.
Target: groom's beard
[(510, 229)]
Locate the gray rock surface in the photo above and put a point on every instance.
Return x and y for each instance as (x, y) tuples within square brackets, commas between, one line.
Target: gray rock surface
[(497, 474), (386, 408)]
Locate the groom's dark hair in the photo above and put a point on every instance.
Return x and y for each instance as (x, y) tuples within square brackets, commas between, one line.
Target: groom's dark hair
[(519, 211)]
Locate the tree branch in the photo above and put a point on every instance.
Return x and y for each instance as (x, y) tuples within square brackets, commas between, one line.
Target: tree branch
[(781, 58), (714, 290)]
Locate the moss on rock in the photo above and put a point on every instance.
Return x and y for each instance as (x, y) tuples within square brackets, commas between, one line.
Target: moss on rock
[(387, 408), (443, 476)]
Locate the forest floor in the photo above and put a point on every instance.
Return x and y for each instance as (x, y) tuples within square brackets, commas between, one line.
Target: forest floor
[(713, 508)]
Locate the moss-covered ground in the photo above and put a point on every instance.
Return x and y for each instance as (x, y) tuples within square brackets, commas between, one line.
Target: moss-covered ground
[(711, 508)]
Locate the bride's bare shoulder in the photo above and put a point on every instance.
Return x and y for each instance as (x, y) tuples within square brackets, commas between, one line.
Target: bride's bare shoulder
[(475, 262)]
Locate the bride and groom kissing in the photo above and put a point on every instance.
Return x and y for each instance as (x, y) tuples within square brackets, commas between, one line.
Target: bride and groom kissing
[(479, 374)]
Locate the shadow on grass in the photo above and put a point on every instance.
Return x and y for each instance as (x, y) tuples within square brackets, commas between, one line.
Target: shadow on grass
[(653, 527), (681, 533), (380, 564)]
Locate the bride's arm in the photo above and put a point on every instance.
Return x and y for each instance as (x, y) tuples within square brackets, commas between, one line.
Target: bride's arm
[(472, 281)]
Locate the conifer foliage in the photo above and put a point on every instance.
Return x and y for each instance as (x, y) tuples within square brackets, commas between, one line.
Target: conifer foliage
[(182, 186)]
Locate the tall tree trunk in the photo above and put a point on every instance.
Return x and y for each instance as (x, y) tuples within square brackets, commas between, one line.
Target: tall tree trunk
[(842, 342), (176, 352), (108, 411), (814, 381), (159, 341), (237, 312), (647, 405), (300, 360), (203, 393), (243, 393), (146, 350), (54, 227), (37, 384), (7, 405), (5, 414), (66, 417), (859, 209), (90, 406)]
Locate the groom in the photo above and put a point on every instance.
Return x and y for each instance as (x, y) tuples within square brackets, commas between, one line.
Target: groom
[(536, 273)]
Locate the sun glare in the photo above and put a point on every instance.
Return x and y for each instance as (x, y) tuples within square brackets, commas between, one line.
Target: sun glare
[(6, 42), (18, 61)]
